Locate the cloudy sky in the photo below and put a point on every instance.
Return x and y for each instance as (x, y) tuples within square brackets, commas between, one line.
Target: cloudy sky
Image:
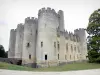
[(12, 12)]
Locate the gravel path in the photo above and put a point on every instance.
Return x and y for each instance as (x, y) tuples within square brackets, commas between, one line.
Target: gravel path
[(81, 72)]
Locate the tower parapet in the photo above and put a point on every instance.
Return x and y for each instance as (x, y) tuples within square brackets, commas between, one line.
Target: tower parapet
[(47, 10), (30, 20)]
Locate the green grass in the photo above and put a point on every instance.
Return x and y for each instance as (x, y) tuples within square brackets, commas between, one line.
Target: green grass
[(67, 67)]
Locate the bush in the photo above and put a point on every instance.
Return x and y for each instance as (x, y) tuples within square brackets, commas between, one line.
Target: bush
[(98, 60), (93, 56)]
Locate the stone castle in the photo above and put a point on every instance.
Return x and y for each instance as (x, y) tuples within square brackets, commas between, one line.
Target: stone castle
[(43, 41)]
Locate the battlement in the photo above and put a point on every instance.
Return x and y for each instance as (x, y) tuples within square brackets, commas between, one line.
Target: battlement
[(47, 10), (68, 35), (80, 29), (30, 20), (12, 30), (20, 25), (60, 12)]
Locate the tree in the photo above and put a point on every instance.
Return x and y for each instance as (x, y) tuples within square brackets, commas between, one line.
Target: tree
[(93, 30), (2, 52)]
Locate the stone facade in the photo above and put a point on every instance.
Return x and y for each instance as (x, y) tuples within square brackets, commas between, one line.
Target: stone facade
[(44, 41)]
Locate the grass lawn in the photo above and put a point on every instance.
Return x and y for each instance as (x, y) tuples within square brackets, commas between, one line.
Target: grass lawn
[(67, 67)]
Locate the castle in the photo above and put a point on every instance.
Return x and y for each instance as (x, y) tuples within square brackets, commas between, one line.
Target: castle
[(43, 41)]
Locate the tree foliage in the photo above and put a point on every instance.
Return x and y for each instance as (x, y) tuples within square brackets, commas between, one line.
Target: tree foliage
[(93, 30), (3, 54)]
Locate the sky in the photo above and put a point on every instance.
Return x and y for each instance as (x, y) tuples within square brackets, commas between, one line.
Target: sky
[(13, 12)]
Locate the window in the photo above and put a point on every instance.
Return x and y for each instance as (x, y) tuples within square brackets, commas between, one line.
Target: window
[(29, 56), (58, 45), (55, 44), (58, 56), (74, 57), (65, 57), (28, 44), (71, 48), (45, 25), (78, 49), (66, 47), (36, 31), (31, 32), (46, 57), (41, 44), (70, 56), (77, 56), (75, 48)]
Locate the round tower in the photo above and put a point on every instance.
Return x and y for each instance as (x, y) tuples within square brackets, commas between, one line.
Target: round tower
[(12, 41), (29, 42), (61, 20), (82, 40), (19, 41), (46, 38)]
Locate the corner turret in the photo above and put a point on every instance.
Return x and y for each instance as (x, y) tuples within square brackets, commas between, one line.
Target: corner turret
[(61, 20), (83, 44)]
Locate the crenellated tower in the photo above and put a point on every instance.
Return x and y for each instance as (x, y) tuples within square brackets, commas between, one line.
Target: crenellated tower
[(83, 44), (19, 41), (12, 41), (29, 42), (61, 20), (46, 39)]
